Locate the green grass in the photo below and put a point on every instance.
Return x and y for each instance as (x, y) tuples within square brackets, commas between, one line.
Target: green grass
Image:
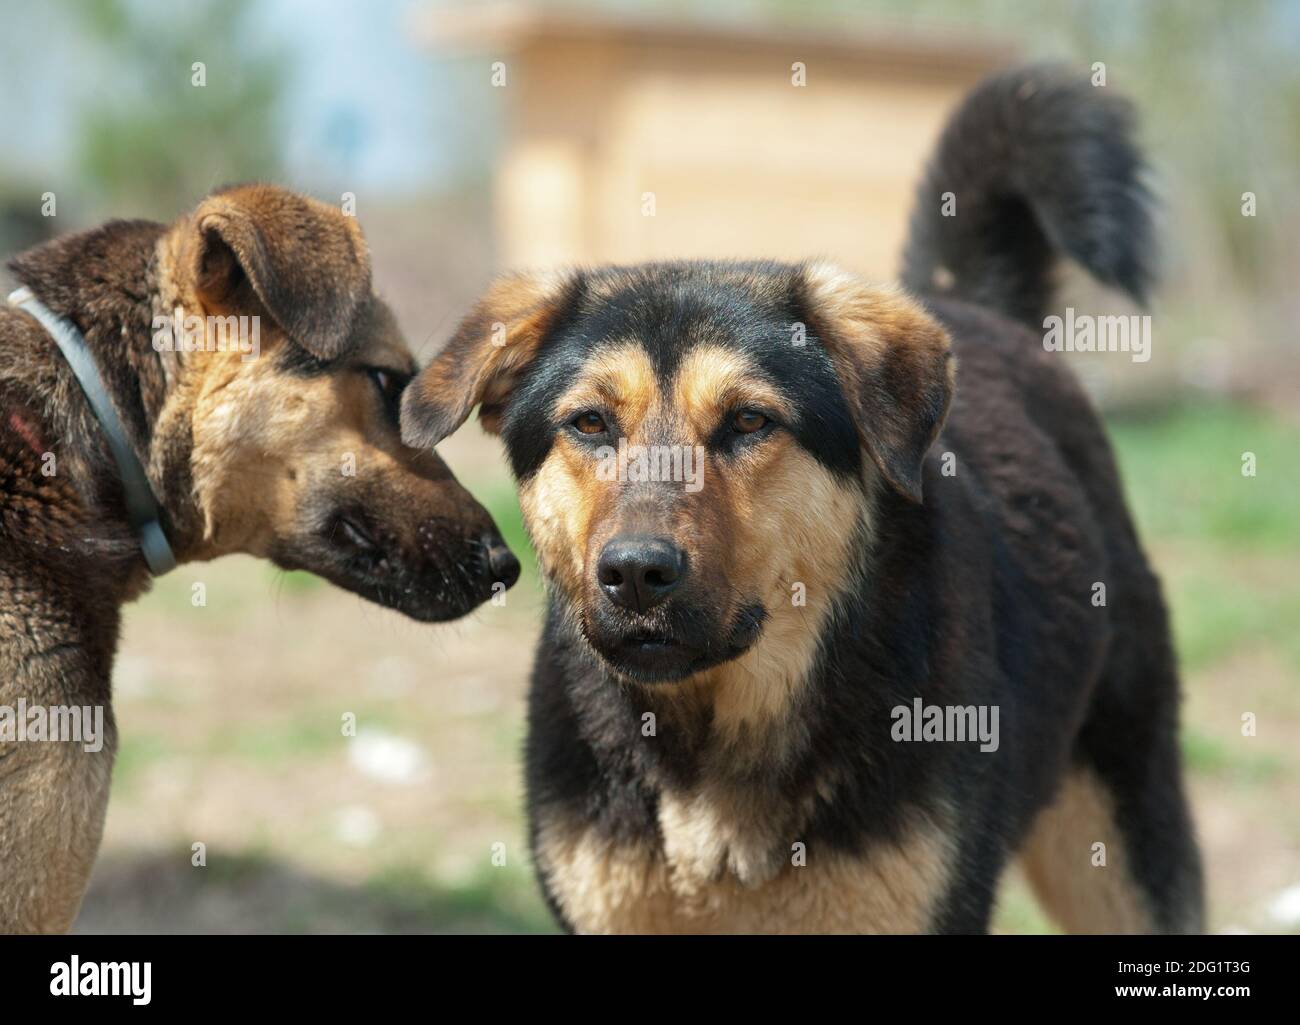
[(503, 503), (263, 890), (294, 581), (285, 740), (1183, 474), (1216, 614), (1230, 543), (1017, 912), (1237, 762), (493, 900), (136, 752)]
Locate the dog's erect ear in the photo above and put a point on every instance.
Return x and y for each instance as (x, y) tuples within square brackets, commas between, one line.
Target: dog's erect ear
[(478, 367), (895, 364), (305, 262)]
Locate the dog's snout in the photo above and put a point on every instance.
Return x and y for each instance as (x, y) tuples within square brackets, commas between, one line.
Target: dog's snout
[(640, 572), (501, 561)]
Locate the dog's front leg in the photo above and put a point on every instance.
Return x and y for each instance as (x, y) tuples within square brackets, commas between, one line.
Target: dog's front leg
[(53, 796)]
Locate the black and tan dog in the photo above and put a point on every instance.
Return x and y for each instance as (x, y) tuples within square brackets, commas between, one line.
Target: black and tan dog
[(900, 504), (288, 450)]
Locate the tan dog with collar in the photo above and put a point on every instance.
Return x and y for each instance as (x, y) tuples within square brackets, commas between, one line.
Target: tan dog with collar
[(246, 448)]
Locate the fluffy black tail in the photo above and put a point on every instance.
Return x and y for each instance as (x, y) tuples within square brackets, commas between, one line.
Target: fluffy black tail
[(1039, 163)]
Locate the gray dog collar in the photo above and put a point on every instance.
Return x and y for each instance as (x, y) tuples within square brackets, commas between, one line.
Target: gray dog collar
[(141, 504)]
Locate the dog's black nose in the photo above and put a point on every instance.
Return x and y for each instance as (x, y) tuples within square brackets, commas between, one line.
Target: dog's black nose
[(640, 572), (502, 561)]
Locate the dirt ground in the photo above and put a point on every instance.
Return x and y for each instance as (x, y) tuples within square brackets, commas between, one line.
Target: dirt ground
[(232, 720)]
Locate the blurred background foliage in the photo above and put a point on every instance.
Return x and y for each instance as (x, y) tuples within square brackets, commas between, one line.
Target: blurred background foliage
[(230, 712), (136, 143)]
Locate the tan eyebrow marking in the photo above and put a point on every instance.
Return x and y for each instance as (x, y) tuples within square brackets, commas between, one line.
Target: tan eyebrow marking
[(713, 380), (620, 379)]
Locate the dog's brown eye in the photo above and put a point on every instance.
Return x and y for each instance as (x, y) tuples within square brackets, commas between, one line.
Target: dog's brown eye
[(390, 384), (589, 423), (747, 421)]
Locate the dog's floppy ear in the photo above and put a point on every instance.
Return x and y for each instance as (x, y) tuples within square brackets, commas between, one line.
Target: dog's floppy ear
[(478, 367), (895, 364), (305, 263)]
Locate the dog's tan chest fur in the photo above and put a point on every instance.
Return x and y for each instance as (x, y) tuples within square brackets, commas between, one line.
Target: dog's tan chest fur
[(696, 882)]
